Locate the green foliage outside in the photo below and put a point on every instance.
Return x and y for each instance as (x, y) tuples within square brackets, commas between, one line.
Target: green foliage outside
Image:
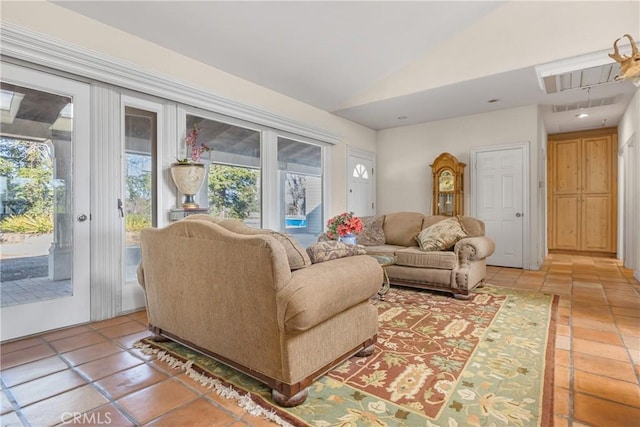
[(233, 191), (27, 224), (27, 167), (136, 222), (138, 192)]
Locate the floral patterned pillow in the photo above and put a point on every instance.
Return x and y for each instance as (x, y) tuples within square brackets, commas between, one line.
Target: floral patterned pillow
[(372, 233), (332, 249), (441, 236)]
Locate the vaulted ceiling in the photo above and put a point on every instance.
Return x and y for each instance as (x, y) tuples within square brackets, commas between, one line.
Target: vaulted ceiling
[(393, 63)]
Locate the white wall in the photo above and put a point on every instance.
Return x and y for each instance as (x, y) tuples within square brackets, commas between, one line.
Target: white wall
[(629, 145), (56, 22), (406, 153)]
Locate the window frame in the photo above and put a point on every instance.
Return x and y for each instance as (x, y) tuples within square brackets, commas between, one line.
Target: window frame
[(269, 214)]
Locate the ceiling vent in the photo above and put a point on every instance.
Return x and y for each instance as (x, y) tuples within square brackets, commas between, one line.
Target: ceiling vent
[(581, 78), (601, 102), (579, 72)]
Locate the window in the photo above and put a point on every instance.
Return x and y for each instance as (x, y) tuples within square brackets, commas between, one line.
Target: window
[(300, 189), (233, 184), (360, 171), (140, 186)]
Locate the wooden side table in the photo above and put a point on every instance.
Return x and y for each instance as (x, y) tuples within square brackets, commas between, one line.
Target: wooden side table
[(384, 261)]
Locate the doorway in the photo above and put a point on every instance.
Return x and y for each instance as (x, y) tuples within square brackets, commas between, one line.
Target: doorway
[(361, 183), (44, 190), (500, 199)]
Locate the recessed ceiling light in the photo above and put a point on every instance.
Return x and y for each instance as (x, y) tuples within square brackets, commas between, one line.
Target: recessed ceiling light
[(582, 115)]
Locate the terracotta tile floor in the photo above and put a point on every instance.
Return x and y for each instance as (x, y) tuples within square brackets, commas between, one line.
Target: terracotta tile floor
[(93, 369)]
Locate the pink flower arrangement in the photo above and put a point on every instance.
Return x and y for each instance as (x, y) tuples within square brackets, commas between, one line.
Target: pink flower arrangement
[(342, 225), (192, 143)]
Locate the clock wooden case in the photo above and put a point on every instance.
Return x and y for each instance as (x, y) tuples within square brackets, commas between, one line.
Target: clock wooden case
[(448, 180)]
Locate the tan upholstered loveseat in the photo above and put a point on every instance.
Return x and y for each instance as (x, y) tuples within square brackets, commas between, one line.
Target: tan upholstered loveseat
[(457, 270), (234, 296)]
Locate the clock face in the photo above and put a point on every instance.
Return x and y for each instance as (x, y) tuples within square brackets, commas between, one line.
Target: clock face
[(445, 182)]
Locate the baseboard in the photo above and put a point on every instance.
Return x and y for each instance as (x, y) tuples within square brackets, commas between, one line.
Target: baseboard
[(583, 253)]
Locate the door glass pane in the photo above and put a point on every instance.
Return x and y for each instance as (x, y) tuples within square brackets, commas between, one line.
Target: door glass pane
[(233, 184), (36, 206), (300, 184), (140, 186)]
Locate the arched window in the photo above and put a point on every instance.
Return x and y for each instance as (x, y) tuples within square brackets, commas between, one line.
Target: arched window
[(360, 171)]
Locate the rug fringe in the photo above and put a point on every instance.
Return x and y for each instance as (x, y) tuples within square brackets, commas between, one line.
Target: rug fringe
[(222, 390)]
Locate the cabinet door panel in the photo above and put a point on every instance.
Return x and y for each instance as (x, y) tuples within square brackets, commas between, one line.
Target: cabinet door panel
[(582, 191), (566, 223), (567, 167), (597, 223), (597, 165)]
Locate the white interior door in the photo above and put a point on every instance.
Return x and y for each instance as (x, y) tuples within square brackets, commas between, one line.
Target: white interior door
[(361, 185), (45, 202), (499, 195)]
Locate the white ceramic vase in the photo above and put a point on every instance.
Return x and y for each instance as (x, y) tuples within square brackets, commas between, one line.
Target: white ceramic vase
[(188, 177)]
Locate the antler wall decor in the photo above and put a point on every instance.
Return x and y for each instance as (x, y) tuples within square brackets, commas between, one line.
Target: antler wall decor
[(629, 65)]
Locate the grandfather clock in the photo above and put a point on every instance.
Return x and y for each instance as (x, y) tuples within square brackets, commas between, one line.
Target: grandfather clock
[(448, 179)]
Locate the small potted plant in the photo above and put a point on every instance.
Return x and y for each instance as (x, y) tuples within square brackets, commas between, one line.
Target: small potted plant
[(343, 227), (188, 173)]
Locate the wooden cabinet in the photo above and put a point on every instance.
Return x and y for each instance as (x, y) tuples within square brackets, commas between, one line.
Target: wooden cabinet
[(582, 191), (448, 179)]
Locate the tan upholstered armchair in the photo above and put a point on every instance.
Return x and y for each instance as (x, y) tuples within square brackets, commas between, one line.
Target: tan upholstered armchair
[(235, 297)]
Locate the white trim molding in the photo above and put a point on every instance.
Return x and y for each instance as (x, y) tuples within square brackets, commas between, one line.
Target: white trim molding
[(27, 45)]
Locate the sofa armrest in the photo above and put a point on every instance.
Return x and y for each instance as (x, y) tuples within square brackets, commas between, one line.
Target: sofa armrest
[(474, 248), (321, 291), (140, 275)]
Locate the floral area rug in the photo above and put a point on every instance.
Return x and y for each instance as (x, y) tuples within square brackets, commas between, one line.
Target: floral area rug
[(438, 362)]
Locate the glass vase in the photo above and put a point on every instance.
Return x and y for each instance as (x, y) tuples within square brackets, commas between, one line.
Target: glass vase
[(349, 239)]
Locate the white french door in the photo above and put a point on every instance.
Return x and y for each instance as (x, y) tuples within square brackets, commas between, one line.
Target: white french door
[(44, 187)]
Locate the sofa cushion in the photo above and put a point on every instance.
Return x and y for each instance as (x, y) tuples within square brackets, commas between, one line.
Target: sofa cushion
[(296, 254), (332, 249), (415, 257), (401, 228), (441, 235), (372, 232), (389, 250), (473, 226), (325, 290)]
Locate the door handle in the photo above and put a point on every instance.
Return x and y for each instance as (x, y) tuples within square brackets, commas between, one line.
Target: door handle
[(82, 218), (519, 214), (120, 208)]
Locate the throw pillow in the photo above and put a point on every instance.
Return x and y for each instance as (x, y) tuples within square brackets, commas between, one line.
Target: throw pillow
[(332, 249), (296, 254), (441, 236), (372, 233)]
